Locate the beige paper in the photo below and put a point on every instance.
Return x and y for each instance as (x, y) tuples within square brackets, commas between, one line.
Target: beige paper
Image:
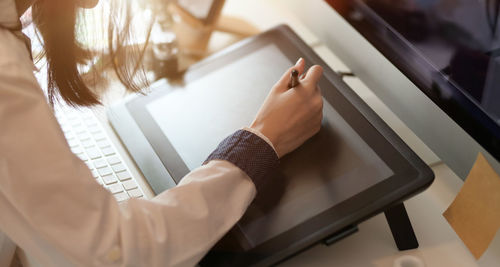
[(475, 212)]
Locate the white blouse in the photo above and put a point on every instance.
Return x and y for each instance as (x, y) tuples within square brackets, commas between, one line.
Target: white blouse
[(52, 207)]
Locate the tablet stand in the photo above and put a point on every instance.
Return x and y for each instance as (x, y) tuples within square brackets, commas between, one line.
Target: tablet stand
[(401, 228), (399, 223)]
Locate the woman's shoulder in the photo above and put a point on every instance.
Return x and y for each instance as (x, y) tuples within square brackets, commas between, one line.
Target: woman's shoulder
[(16, 66), (8, 13), (12, 50)]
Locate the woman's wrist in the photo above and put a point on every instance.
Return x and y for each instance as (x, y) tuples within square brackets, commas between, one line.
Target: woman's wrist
[(263, 136), (251, 153)]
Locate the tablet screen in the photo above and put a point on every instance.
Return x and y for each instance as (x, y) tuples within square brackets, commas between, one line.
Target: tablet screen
[(332, 167)]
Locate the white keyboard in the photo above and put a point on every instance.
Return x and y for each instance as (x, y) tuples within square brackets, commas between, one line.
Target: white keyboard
[(89, 141)]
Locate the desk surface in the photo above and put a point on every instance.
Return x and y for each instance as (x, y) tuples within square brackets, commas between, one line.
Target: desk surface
[(373, 244)]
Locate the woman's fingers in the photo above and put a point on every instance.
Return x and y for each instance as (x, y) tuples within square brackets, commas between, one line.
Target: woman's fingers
[(282, 84), (299, 66), (289, 117), (313, 75)]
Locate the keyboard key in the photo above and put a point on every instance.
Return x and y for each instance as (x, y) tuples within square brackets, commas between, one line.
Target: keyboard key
[(90, 166), (135, 193), (87, 115), (95, 174), (69, 136), (88, 143), (104, 171), (92, 126), (59, 117), (82, 156), (122, 196), (71, 116), (84, 136), (99, 136), (113, 160), (118, 168), (77, 150), (124, 176), (103, 143), (76, 123), (73, 143), (115, 188), (79, 130), (66, 128), (100, 163), (130, 184), (93, 153), (108, 151), (94, 129), (109, 179)]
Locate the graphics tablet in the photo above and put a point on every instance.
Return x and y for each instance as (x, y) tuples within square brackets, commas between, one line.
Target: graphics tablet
[(354, 168)]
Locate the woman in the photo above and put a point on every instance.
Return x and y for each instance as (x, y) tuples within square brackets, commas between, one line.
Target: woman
[(49, 202)]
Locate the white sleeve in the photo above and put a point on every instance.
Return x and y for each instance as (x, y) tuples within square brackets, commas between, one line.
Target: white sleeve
[(7, 250), (53, 208)]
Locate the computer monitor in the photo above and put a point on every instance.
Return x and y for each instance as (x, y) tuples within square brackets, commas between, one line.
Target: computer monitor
[(449, 50)]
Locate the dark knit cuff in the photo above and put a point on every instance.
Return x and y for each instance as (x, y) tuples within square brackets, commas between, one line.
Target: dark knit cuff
[(250, 153)]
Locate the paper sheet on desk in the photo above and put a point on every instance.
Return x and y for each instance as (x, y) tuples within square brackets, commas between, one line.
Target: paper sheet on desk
[(475, 212)]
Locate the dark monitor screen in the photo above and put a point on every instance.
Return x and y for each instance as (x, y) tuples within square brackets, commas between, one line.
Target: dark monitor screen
[(449, 49)]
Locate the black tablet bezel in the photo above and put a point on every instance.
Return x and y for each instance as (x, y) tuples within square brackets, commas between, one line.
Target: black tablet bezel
[(411, 175)]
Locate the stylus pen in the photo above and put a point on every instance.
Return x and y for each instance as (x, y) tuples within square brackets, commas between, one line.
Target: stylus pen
[(294, 79)]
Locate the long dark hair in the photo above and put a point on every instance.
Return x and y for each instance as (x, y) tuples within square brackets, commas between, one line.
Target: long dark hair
[(55, 21)]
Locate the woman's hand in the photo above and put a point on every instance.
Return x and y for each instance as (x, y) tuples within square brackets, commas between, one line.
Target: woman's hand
[(288, 117)]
